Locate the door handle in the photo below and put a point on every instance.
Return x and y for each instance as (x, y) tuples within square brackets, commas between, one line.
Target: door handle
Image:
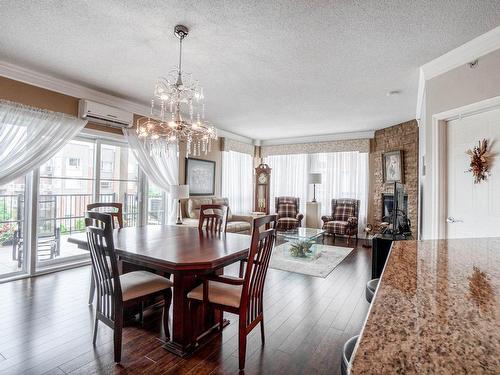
[(451, 220)]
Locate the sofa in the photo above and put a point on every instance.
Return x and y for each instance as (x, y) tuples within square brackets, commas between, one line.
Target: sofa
[(344, 218), (235, 223)]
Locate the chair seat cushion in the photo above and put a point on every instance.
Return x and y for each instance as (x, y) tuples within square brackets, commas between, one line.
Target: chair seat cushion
[(287, 223), (337, 227), (141, 283), (238, 226), (219, 293)]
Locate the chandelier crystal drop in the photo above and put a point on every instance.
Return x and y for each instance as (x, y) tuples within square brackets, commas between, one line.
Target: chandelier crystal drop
[(175, 95)]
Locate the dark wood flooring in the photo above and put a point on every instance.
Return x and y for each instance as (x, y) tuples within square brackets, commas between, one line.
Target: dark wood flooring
[(46, 327)]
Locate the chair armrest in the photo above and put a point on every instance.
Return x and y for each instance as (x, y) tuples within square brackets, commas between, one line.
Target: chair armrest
[(223, 279), (327, 218), (300, 217), (247, 218), (352, 221)]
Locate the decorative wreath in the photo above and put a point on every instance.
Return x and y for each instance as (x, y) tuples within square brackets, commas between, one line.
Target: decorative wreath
[(479, 161)]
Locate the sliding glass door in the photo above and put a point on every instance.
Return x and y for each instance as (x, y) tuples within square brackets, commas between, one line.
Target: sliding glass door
[(12, 228), (66, 186), (158, 206), (119, 180), (39, 212)]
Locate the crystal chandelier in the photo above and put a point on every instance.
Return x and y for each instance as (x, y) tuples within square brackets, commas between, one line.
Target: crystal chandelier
[(175, 94)]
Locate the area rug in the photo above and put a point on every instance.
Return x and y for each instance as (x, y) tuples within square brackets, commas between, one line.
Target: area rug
[(330, 257)]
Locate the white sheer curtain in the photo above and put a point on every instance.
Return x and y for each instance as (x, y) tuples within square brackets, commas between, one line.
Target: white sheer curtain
[(344, 175), (162, 170), (30, 136), (237, 181), (288, 177)]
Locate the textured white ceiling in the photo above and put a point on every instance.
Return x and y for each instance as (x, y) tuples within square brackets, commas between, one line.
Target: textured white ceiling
[(270, 69)]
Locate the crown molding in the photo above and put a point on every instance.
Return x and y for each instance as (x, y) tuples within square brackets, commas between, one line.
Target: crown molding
[(477, 47), (319, 138), (468, 52), (236, 137), (69, 88), (51, 83)]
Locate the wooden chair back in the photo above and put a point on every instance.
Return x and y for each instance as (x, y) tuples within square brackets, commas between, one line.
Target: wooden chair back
[(255, 275), (112, 208), (213, 218), (104, 263)]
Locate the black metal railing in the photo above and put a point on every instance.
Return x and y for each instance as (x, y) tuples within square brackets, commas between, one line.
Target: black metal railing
[(11, 216), (65, 212)]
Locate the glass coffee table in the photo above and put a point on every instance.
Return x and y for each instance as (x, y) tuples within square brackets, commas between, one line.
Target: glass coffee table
[(300, 243)]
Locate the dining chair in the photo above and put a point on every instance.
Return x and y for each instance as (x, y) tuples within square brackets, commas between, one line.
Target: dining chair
[(112, 208), (242, 296), (213, 218), (116, 211), (116, 292)]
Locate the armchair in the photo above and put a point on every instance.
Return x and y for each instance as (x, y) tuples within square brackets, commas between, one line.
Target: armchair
[(344, 218), (287, 209)]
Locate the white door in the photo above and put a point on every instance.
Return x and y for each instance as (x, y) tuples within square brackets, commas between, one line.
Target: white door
[(473, 209)]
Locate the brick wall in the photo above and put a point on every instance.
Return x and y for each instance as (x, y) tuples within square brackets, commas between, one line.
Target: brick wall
[(404, 137)]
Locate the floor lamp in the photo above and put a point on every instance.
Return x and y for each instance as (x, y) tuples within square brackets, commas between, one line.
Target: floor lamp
[(179, 192)]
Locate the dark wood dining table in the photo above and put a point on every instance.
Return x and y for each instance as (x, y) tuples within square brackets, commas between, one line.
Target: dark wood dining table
[(184, 252)]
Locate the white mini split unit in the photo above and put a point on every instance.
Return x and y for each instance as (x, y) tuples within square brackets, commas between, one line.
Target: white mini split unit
[(105, 114)]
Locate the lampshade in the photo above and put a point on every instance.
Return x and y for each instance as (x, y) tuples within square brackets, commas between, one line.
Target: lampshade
[(314, 178), (179, 191)]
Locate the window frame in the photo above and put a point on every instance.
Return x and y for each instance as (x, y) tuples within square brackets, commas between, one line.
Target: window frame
[(98, 138)]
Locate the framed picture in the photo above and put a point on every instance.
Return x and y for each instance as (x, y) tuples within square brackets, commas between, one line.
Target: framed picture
[(200, 176), (392, 166)]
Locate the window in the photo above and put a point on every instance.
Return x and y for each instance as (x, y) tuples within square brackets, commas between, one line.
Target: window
[(344, 175), (12, 226), (62, 187), (119, 181), (74, 162), (66, 186), (106, 187), (288, 178), (157, 205), (106, 166), (237, 185)]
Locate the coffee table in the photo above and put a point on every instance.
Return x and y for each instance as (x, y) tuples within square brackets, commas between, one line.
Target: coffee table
[(301, 243)]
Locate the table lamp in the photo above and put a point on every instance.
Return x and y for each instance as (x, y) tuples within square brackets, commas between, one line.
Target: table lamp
[(314, 178), (179, 192)]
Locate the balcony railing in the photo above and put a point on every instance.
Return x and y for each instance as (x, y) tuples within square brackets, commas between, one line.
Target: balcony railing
[(65, 212)]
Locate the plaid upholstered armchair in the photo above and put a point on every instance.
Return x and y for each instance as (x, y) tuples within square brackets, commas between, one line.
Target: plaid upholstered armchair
[(287, 209), (344, 218)]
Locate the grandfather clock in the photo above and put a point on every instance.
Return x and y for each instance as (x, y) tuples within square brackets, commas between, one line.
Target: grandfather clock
[(262, 180)]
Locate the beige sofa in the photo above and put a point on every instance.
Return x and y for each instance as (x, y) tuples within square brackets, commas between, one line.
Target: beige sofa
[(235, 223)]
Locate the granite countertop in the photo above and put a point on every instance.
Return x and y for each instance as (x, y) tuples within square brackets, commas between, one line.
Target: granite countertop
[(436, 311)]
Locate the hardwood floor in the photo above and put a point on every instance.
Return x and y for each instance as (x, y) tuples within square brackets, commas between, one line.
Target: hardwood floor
[(46, 327)]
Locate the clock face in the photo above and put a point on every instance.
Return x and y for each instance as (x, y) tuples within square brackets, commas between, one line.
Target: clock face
[(262, 178)]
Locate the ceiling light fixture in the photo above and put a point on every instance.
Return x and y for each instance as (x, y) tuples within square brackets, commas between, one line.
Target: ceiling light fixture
[(174, 94), (393, 92)]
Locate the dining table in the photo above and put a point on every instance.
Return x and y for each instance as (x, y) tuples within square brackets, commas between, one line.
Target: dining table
[(186, 253)]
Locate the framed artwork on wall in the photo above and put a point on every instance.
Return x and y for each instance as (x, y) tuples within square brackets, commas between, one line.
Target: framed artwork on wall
[(200, 176), (392, 166)]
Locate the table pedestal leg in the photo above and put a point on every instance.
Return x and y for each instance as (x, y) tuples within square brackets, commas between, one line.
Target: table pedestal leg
[(184, 320)]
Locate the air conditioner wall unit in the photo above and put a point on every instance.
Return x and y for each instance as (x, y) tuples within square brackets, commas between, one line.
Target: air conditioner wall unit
[(105, 114)]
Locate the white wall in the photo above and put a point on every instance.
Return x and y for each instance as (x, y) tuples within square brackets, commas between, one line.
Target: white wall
[(456, 88)]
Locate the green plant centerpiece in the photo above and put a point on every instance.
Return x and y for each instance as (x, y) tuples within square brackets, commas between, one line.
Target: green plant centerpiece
[(301, 249)]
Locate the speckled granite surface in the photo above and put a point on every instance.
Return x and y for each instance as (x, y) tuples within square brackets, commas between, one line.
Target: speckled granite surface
[(436, 311)]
